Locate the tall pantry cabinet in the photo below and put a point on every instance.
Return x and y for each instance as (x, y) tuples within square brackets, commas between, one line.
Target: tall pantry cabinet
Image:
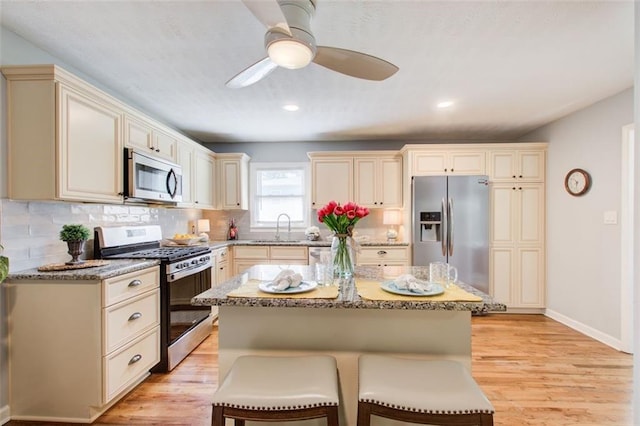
[(517, 251)]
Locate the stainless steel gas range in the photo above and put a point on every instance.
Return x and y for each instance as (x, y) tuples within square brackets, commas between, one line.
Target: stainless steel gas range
[(185, 271)]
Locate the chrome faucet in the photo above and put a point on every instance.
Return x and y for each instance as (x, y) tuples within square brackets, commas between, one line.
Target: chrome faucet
[(278, 226)]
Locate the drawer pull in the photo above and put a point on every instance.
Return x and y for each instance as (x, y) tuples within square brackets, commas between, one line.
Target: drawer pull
[(382, 253), (134, 316), (135, 283), (135, 359)]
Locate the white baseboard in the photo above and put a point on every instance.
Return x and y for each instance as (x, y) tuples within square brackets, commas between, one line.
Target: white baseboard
[(585, 329), (5, 415)]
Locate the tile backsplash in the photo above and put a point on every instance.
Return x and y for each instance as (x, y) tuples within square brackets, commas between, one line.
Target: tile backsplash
[(29, 230)]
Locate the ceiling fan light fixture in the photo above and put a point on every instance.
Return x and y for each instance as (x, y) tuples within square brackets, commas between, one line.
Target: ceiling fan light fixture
[(289, 53)]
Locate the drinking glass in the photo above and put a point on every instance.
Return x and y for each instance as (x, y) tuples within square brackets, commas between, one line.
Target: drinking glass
[(443, 273)]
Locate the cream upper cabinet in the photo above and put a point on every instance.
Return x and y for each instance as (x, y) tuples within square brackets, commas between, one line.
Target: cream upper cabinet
[(137, 134), (233, 181), (378, 181), (447, 162), (164, 144), (331, 179), (58, 122), (54, 129), (186, 159), (143, 135), (518, 165), (89, 129), (204, 179), (517, 213)]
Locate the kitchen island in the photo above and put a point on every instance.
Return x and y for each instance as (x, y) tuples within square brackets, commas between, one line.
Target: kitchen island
[(343, 325)]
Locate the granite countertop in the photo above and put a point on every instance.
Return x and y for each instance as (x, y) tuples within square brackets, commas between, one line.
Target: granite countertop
[(98, 273), (348, 297)]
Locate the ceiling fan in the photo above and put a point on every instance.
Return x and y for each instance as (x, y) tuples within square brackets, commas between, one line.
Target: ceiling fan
[(290, 44)]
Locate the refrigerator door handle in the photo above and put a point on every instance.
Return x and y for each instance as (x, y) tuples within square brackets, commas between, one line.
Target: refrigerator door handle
[(450, 227), (444, 228)]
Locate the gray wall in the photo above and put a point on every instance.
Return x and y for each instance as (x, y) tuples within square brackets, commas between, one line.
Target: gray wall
[(583, 254)]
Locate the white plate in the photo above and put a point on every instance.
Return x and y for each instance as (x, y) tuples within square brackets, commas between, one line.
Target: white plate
[(390, 286), (303, 287)]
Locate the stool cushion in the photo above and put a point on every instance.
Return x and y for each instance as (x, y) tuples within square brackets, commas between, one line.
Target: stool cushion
[(426, 386), (279, 383)]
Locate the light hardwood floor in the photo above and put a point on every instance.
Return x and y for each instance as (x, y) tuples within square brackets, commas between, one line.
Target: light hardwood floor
[(534, 370)]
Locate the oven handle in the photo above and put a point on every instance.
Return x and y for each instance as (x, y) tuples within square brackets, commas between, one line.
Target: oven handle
[(186, 272)]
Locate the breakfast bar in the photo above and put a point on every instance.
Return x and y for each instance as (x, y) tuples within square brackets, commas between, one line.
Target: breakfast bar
[(344, 320)]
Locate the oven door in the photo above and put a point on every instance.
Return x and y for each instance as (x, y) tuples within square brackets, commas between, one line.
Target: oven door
[(152, 179), (182, 315)]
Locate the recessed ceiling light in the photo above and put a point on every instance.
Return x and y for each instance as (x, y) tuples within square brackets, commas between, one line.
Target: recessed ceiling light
[(445, 104), (290, 107)]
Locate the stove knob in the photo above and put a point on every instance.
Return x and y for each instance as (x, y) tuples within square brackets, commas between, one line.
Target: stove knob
[(194, 262)]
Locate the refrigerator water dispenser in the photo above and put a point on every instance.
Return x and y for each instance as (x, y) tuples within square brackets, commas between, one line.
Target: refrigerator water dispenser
[(430, 225)]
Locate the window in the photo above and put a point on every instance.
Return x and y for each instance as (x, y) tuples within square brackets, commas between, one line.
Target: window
[(278, 188)]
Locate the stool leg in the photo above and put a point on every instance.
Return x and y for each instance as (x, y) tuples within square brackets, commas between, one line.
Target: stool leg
[(332, 416), (217, 418), (364, 414), (486, 419)]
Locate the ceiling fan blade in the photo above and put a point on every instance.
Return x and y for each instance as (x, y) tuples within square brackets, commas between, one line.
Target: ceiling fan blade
[(354, 64), (252, 74), (269, 13)]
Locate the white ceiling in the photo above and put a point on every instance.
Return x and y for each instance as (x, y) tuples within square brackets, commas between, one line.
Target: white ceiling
[(510, 66)]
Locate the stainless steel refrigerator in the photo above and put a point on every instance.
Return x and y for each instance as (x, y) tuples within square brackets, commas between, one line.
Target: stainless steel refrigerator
[(451, 224)]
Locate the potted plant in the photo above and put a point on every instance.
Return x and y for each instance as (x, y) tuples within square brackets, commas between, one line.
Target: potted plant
[(4, 266), (74, 236)]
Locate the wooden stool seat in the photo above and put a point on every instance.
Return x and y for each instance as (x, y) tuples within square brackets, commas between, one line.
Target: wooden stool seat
[(270, 388), (435, 392)]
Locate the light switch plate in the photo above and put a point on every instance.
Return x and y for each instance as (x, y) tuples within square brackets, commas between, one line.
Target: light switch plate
[(610, 217)]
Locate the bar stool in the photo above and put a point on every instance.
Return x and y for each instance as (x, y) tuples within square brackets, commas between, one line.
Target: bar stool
[(277, 388), (435, 392)]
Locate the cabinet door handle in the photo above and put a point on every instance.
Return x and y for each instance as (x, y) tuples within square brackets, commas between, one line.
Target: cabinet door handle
[(135, 283), (382, 253), (135, 358), (520, 176), (134, 316)]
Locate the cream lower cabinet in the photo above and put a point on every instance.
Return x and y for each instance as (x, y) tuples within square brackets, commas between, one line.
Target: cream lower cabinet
[(245, 257), (517, 265), (394, 259), (76, 347)]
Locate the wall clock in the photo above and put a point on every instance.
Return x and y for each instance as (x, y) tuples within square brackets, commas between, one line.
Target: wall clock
[(577, 182)]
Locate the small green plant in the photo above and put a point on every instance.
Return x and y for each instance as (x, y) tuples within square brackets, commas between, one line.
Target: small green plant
[(74, 233), (4, 266)]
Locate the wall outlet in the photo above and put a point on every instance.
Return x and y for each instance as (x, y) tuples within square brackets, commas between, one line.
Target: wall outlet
[(611, 217)]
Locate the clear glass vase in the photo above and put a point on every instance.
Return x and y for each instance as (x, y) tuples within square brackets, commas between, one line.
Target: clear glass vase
[(342, 255)]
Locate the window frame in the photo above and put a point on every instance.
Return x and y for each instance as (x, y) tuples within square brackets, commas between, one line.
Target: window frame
[(254, 168)]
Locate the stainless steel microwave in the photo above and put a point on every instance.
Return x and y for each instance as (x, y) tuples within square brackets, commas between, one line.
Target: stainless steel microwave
[(151, 179)]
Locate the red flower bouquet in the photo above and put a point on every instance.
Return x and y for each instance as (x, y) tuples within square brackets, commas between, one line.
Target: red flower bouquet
[(341, 220)]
